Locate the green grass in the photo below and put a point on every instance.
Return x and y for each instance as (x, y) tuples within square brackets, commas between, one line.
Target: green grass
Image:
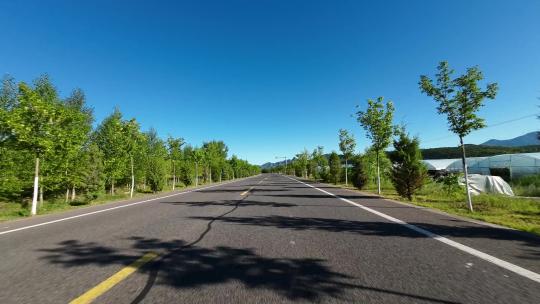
[(527, 186), (11, 210), (514, 212), (14, 210)]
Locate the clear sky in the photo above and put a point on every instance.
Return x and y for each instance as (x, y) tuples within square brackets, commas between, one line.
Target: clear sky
[(272, 77)]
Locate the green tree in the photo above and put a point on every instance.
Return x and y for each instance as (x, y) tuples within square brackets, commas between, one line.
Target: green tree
[(459, 99), (196, 157), (93, 174), (359, 177), (346, 145), (157, 153), (408, 172), (71, 135), (216, 155), (54, 159), (377, 122), (174, 149), (321, 162), (335, 167), (31, 123), (16, 165), (110, 138), (8, 100), (133, 139), (369, 166), (302, 160), (235, 165)]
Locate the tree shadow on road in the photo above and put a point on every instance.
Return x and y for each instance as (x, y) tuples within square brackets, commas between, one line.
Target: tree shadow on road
[(193, 266), (325, 224), (326, 196), (466, 230), (240, 203), (186, 266)]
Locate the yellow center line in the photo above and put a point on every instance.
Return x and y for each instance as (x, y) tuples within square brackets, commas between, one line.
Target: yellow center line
[(116, 278), (251, 188), (247, 191)]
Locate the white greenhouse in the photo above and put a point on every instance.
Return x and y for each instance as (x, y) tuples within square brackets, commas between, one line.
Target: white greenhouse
[(450, 164), (515, 165), (518, 165)]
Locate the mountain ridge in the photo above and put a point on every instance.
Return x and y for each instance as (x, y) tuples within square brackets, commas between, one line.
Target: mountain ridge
[(528, 139)]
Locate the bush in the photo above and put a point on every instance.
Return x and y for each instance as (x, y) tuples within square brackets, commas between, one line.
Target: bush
[(90, 196), (450, 183), (369, 166), (358, 175), (408, 172), (528, 180), (527, 186), (334, 163), (78, 203)]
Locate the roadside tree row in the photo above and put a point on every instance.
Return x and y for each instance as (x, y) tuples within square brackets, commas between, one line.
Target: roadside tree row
[(458, 98), (49, 149)]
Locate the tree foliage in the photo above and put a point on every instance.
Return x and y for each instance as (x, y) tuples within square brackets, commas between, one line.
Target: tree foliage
[(408, 172), (346, 145), (459, 99), (335, 167), (52, 138), (359, 177), (377, 122)]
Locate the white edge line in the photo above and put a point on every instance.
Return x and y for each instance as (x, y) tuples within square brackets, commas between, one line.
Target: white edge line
[(112, 208), (484, 256)]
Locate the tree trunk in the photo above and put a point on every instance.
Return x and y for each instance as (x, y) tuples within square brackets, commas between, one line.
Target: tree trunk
[(67, 186), (73, 195), (196, 175), (36, 186), (346, 178), (132, 178), (41, 195), (173, 176), (112, 187), (210, 174), (378, 174), (465, 172)]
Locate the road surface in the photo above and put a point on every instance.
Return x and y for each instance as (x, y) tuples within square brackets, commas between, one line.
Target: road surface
[(265, 239)]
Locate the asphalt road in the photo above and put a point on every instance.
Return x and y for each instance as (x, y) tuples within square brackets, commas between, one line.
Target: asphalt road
[(266, 239)]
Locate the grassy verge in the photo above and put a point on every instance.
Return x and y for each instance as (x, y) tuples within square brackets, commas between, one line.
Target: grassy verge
[(11, 210), (514, 212), (527, 186)]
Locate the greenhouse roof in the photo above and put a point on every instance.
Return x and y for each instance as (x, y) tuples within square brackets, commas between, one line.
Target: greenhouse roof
[(439, 164)]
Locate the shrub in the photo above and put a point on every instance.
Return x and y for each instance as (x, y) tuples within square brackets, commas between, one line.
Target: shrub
[(358, 175), (335, 167), (450, 183), (527, 186), (408, 172)]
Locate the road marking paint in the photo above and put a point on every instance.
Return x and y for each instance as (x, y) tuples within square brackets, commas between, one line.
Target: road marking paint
[(110, 209), (251, 188), (484, 256), (247, 191), (116, 278)]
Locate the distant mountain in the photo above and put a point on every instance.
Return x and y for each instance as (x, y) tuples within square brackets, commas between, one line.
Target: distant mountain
[(475, 151), (522, 144), (528, 139), (270, 165)]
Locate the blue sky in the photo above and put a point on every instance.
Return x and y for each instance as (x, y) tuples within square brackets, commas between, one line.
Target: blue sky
[(272, 77)]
